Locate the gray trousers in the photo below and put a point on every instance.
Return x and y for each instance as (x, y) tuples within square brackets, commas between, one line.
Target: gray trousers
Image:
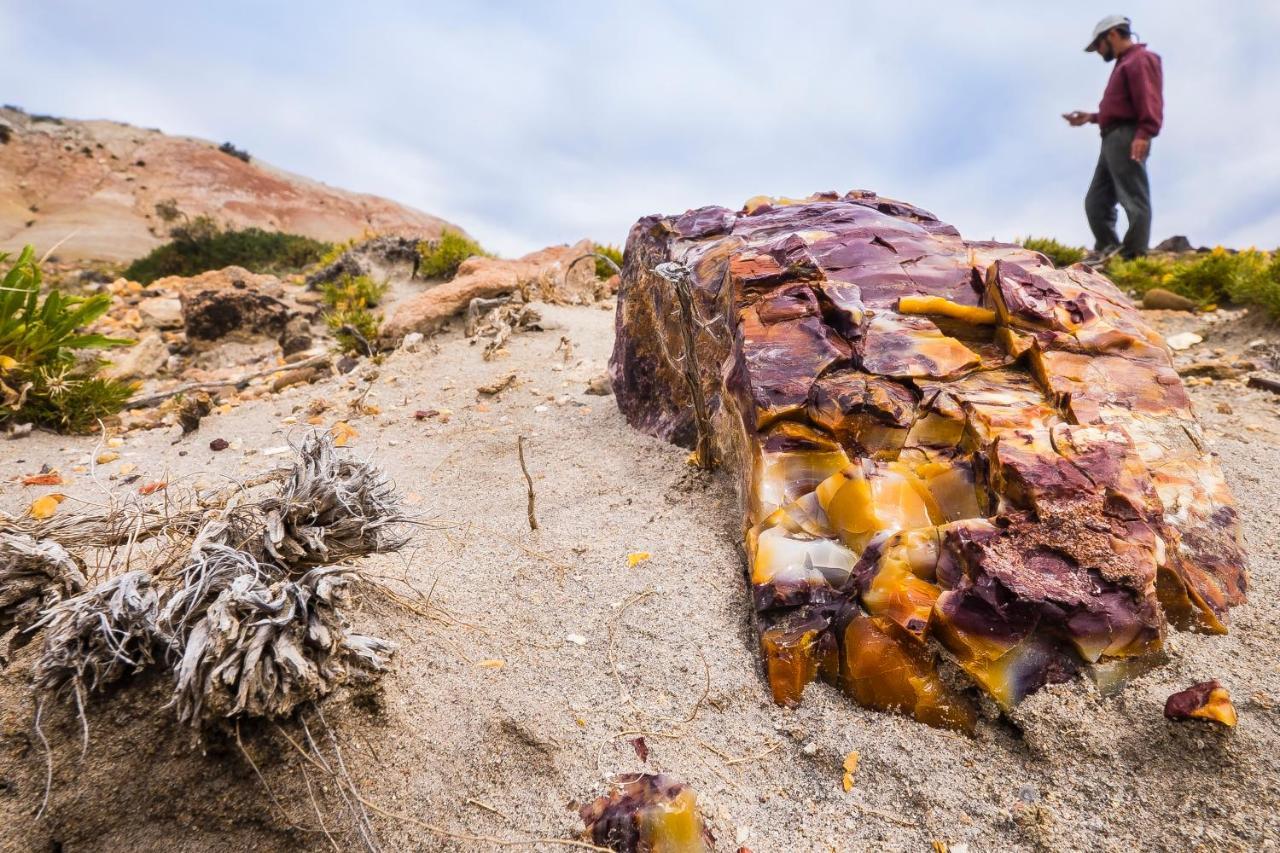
[(1119, 179)]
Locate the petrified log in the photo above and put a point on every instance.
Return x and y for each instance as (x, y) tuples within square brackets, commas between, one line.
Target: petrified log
[(959, 466)]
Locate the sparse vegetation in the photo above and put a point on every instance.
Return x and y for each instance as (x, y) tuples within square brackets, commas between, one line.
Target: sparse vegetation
[(613, 253), (1061, 254), (350, 300), (238, 153), (441, 258), (1249, 277), (42, 379), (201, 244)]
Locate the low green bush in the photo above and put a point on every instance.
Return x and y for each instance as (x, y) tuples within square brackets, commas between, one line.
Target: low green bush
[(1061, 254), (349, 300), (42, 379), (1249, 277), (199, 245), (613, 253), (441, 258)]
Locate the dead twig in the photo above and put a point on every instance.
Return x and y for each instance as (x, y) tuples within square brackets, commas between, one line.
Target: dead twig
[(533, 521), (152, 399)]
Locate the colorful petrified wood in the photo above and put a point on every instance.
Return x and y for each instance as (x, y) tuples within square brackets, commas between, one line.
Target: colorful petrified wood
[(648, 814), (1207, 700), (959, 466)]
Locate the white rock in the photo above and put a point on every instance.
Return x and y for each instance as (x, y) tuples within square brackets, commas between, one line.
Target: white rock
[(141, 360), (164, 312), (413, 341), (1183, 340), (576, 639)]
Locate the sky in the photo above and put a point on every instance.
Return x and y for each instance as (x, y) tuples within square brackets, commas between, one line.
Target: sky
[(533, 123)]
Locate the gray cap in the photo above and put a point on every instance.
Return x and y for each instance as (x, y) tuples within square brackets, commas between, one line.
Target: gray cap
[(1110, 22)]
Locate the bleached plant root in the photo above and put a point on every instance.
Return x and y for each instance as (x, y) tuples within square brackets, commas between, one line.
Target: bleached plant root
[(330, 509), (263, 649), (34, 575), (100, 636)]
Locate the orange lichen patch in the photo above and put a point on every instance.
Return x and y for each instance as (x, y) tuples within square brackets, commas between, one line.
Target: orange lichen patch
[(905, 347), (881, 670), (946, 308), (51, 478), (1207, 700)]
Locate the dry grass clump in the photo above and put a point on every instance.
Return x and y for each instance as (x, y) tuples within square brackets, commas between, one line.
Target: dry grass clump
[(100, 636), (34, 576), (249, 618)]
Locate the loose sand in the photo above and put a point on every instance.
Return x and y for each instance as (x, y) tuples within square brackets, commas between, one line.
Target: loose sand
[(507, 752)]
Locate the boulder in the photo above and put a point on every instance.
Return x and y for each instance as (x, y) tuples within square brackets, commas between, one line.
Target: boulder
[(230, 302), (542, 275), (1175, 244), (972, 459), (1157, 298)]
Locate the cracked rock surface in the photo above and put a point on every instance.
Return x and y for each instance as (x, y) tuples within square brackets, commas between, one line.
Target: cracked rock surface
[(964, 473)]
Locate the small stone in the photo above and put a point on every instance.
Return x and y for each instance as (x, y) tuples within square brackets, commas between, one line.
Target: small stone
[(163, 312), (809, 748), (1158, 298), (293, 377), (1184, 340), (1207, 700), (219, 444), (600, 385), (413, 341)]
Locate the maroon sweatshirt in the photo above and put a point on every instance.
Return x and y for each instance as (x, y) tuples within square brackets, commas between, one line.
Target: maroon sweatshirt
[(1134, 93)]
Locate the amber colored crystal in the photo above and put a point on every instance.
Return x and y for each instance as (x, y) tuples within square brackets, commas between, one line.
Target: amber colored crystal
[(953, 457)]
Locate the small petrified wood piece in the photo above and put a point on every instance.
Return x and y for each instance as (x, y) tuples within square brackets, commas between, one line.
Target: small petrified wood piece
[(648, 814), (946, 450), (1207, 700)]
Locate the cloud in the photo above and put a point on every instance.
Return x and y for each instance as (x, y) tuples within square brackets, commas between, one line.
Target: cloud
[(531, 124)]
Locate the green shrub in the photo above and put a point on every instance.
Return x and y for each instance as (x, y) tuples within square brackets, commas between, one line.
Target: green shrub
[(349, 299), (1061, 254), (1140, 274), (41, 378), (1249, 277), (199, 245), (613, 253), (441, 258)]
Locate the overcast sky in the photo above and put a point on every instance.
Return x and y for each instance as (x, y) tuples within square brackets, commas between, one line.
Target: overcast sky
[(531, 123)]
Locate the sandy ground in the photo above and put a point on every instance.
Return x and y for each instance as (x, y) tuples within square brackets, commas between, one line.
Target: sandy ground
[(454, 740)]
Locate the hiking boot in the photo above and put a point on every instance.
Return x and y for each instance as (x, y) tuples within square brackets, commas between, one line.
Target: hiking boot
[(1098, 258)]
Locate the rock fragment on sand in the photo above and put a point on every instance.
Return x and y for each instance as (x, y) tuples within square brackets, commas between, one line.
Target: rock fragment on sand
[(647, 814), (1207, 700), (1183, 340)]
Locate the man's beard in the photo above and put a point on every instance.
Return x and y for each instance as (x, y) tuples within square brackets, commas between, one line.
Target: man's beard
[(1108, 55)]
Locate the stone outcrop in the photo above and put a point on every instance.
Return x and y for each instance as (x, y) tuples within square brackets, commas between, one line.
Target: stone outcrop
[(962, 470), (229, 302), (544, 275)]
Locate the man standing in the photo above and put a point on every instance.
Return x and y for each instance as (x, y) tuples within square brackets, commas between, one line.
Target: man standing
[(1130, 115)]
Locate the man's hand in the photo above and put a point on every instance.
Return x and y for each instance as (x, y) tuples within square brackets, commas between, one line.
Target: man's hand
[(1077, 118), (1139, 149)]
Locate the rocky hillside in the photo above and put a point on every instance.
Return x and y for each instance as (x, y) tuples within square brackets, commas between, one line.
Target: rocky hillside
[(95, 185)]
